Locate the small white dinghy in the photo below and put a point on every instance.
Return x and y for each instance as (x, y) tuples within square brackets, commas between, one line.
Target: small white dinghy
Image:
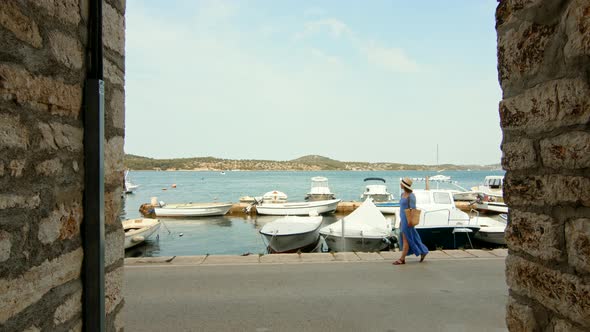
[(291, 233), (492, 229), (365, 229), (138, 230), (192, 209)]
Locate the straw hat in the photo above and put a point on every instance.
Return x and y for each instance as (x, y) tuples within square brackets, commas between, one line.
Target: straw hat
[(407, 183)]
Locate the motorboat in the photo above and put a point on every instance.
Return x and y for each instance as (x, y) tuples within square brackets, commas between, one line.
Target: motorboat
[(490, 196), (442, 224), (292, 233), (275, 203), (492, 229), (129, 186), (138, 230), (191, 209), (381, 197), (365, 229), (320, 191)]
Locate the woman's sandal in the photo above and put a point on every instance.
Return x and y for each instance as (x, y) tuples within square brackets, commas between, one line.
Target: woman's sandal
[(422, 257), (399, 262)]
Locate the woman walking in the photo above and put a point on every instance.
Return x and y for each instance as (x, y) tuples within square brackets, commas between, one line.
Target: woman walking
[(411, 242)]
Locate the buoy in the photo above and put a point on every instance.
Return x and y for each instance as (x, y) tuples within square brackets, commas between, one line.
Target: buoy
[(164, 188), (181, 234), (174, 185)]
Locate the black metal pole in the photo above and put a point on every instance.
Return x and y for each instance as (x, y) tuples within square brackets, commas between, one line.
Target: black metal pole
[(93, 225)]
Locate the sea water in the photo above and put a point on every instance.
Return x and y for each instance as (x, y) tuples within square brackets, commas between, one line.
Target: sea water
[(235, 235)]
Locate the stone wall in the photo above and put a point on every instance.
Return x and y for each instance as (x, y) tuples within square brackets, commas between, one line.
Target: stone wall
[(544, 71), (42, 73)]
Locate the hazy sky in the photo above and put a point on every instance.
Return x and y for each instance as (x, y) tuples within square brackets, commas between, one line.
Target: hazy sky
[(350, 80)]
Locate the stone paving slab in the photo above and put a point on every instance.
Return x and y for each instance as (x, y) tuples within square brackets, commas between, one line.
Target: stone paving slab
[(390, 255), (438, 254), (227, 259), (481, 253), (148, 260), (369, 256), (458, 254), (188, 260), (280, 258), (346, 257), (500, 252), (317, 257)]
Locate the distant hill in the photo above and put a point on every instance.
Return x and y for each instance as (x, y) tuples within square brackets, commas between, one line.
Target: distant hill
[(305, 163)]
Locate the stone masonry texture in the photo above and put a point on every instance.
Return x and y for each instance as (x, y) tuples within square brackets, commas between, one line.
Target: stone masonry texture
[(544, 72), (43, 66)]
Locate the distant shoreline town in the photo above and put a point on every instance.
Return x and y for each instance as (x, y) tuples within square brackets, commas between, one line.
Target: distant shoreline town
[(305, 163)]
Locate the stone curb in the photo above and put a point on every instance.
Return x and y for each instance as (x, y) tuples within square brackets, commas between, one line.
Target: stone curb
[(336, 257)]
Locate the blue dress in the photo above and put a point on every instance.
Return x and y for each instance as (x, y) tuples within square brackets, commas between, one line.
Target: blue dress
[(414, 242)]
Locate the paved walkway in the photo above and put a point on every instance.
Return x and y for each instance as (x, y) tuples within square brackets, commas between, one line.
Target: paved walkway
[(452, 291)]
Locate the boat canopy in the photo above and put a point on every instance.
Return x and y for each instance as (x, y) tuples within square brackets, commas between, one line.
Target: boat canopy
[(374, 179)]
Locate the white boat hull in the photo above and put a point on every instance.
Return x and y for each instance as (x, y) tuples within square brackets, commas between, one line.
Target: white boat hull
[(360, 244), (138, 230), (291, 242), (495, 237), (493, 207), (297, 209), (196, 210)]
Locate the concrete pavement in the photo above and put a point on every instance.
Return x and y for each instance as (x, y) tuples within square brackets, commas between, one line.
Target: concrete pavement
[(356, 292)]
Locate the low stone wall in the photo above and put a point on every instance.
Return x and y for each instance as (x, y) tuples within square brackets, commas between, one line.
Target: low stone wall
[(544, 71), (42, 74)]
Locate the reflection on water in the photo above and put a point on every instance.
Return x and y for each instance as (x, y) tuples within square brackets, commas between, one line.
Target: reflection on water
[(221, 235)]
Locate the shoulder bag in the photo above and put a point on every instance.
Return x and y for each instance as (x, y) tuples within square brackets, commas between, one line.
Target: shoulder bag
[(412, 215)]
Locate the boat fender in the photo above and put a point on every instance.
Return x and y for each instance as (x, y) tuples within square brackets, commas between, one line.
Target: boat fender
[(162, 203), (137, 238)]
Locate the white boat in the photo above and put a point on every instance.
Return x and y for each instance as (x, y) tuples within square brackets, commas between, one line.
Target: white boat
[(292, 233), (381, 197), (320, 191), (192, 209), (492, 229), (490, 195), (441, 223), (138, 230), (297, 208), (129, 187), (365, 229)]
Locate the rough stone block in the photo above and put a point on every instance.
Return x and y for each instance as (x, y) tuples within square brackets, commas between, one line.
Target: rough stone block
[(117, 109), (561, 325), (113, 74), (49, 167), (23, 27), (113, 160), (119, 322), (114, 247), (71, 307), (16, 167), (5, 245), (518, 155), (577, 238), (66, 49), (521, 50), (520, 317), (112, 207), (565, 293), (577, 30), (1, 168), (114, 29), (538, 235), (66, 11), (547, 106), (63, 223), (570, 150), (60, 136), (8, 201), (18, 84), (113, 289), (12, 133), (546, 190), (18, 293)]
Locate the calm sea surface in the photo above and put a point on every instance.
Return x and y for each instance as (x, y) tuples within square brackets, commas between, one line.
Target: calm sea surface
[(239, 235)]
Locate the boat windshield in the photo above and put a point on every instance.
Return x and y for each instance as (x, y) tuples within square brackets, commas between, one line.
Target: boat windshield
[(442, 198), (494, 182)]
